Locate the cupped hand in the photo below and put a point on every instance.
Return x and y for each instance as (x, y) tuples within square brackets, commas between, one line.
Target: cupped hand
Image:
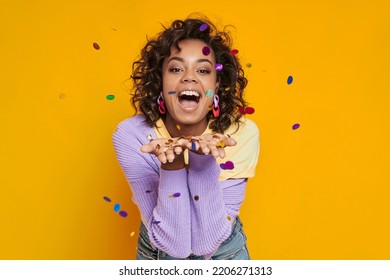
[(213, 143)]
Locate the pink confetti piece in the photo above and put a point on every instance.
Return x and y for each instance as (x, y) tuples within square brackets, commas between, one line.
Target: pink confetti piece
[(246, 110), (218, 67), (206, 50), (227, 165), (234, 52)]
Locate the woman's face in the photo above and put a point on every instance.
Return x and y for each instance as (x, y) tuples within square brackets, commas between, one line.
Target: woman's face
[(189, 82)]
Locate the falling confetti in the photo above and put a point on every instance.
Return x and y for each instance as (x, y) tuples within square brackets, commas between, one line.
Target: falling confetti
[(203, 27), (62, 96), (227, 89), (227, 165), (249, 65), (123, 214), (218, 67), (234, 52), (290, 80), (296, 126), (209, 92), (246, 110), (96, 46), (196, 197), (110, 97), (149, 136), (106, 198), (206, 51), (171, 92), (132, 234), (117, 206)]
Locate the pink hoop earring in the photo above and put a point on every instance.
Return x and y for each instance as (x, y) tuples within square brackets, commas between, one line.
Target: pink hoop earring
[(215, 107), (160, 102)]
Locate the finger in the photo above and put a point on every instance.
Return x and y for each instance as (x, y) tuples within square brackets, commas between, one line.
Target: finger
[(147, 148), (178, 150), (162, 158), (204, 147), (229, 141), (170, 155), (221, 152)]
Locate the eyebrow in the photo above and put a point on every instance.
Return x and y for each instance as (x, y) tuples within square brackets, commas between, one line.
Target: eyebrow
[(182, 60)]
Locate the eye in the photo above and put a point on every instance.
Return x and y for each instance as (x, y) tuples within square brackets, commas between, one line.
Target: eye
[(204, 71), (174, 69)]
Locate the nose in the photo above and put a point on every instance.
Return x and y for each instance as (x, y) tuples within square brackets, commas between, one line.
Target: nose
[(189, 77)]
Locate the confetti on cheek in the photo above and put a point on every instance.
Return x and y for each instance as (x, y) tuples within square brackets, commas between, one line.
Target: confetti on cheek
[(123, 214), (96, 46), (196, 197), (218, 67), (171, 92), (209, 93), (117, 206), (206, 51), (234, 52), (203, 27), (296, 126), (290, 80), (110, 97), (106, 198), (227, 165)]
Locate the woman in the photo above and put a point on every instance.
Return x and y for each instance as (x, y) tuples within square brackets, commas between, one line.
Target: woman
[(188, 154)]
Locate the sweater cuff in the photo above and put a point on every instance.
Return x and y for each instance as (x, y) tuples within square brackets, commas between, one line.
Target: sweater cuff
[(200, 162)]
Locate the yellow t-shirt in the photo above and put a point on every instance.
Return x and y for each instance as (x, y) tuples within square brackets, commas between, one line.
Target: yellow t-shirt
[(244, 155)]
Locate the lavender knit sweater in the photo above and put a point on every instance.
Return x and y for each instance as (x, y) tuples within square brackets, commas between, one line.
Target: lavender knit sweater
[(185, 211)]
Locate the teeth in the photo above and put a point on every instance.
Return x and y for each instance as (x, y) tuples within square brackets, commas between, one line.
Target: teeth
[(189, 93)]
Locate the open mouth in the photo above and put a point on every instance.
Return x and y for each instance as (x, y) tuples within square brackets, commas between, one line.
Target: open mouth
[(189, 99)]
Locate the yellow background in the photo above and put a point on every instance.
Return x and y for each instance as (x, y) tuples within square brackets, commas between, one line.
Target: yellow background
[(320, 192)]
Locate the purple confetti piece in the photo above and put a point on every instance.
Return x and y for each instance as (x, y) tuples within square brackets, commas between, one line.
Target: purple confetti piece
[(203, 27), (123, 214), (106, 198), (227, 165), (176, 194), (296, 126), (117, 206), (206, 50), (156, 222), (148, 191), (171, 92), (218, 67)]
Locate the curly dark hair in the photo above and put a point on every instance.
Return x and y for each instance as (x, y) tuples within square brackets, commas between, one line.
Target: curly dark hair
[(147, 71)]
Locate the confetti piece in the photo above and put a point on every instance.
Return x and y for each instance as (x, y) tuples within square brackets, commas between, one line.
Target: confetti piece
[(249, 65), (196, 197), (110, 97), (193, 146), (178, 127), (96, 46), (114, 29), (106, 198), (218, 67), (117, 206), (62, 96), (210, 108), (132, 234), (206, 51), (156, 222), (175, 195), (246, 110), (296, 126), (123, 214), (209, 93), (203, 27), (234, 52), (290, 80), (229, 218), (149, 136), (148, 191), (227, 89), (227, 165), (171, 92), (220, 144)]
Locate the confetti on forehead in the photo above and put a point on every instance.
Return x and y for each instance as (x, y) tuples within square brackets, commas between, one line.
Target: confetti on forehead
[(218, 67), (203, 27), (206, 50)]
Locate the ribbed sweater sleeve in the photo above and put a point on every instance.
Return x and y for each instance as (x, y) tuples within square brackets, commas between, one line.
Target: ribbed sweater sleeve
[(162, 196), (214, 204)]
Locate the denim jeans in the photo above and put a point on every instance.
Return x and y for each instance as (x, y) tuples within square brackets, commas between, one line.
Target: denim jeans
[(233, 248)]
